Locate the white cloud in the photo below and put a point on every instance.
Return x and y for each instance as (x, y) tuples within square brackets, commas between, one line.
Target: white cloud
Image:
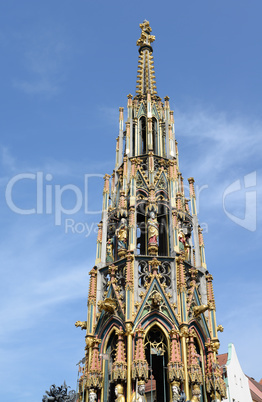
[(44, 57), (220, 142)]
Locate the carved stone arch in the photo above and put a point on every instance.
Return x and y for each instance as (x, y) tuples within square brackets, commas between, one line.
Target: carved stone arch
[(201, 336), (113, 322), (162, 321), (162, 327), (162, 195)]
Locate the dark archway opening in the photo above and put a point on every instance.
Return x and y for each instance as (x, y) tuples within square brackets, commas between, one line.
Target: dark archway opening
[(109, 386), (154, 134), (141, 229), (157, 388), (163, 248), (143, 130)]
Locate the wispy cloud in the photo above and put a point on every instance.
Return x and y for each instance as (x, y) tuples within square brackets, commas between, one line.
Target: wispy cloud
[(44, 58), (36, 275), (225, 150), (220, 142)]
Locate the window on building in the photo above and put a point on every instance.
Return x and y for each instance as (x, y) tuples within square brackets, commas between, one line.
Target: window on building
[(154, 134), (142, 131)]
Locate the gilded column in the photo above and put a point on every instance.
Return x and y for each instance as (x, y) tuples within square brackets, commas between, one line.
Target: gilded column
[(212, 307), (184, 335), (129, 287), (129, 361)]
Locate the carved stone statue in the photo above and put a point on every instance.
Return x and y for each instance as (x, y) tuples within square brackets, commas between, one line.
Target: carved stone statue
[(197, 310), (119, 392), (92, 396), (59, 394), (182, 240), (175, 391), (109, 251), (81, 324), (121, 234), (152, 229), (196, 393), (140, 397)]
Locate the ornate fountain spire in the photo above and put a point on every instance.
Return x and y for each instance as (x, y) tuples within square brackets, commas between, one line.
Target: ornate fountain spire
[(145, 73)]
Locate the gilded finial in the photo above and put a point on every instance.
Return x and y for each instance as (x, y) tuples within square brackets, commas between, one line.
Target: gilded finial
[(145, 38)]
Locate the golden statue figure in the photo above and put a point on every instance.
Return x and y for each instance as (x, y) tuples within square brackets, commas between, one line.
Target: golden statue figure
[(140, 396), (119, 392)]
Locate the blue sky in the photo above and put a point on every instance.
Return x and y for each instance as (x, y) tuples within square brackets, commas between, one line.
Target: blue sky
[(66, 69)]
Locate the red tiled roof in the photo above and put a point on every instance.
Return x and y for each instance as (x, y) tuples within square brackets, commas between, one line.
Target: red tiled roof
[(222, 359), (255, 389)]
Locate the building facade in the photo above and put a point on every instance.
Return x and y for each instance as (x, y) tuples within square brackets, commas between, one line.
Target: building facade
[(151, 328), (237, 383), (240, 387)]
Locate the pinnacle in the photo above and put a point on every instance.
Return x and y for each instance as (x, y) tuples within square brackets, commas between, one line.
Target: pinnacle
[(145, 71)]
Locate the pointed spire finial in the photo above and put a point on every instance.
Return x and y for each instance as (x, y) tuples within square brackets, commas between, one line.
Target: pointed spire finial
[(146, 74), (145, 39)]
